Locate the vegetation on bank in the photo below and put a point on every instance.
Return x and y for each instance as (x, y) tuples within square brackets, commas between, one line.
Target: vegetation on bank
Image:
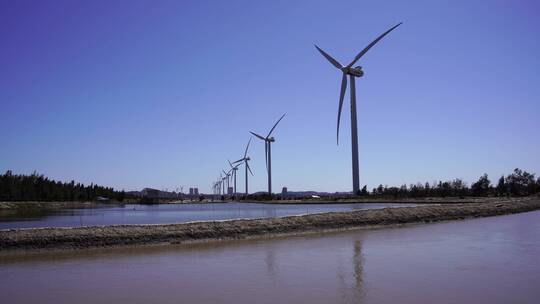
[(518, 183), (36, 187)]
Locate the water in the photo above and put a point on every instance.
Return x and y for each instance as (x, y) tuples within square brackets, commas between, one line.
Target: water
[(169, 213), (489, 260)]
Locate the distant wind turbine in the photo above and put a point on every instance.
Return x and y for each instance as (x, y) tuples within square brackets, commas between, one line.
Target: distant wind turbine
[(352, 73), (234, 168), (268, 152), (219, 183), (214, 189), (222, 182), (227, 176), (245, 160)]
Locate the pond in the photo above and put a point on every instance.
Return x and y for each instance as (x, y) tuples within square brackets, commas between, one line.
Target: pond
[(169, 213)]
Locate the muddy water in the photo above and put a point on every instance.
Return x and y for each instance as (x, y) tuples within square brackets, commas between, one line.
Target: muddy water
[(169, 213), (489, 260)]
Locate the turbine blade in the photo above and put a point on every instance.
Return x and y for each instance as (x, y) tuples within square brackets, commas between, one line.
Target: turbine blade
[(258, 136), (230, 164), (371, 45), (245, 152), (329, 58), (341, 96), (249, 168), (240, 160), (275, 125), (224, 172)]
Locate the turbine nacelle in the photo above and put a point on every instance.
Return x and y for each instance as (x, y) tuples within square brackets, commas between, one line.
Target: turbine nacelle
[(270, 139), (356, 71)]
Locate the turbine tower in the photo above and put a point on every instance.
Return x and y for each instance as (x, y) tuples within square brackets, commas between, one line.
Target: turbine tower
[(352, 72), (245, 160), (267, 152)]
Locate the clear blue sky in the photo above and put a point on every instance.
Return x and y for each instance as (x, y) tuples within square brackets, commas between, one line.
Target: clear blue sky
[(136, 94)]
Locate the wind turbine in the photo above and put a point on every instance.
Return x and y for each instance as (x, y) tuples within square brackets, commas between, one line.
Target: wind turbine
[(267, 152), (214, 190), (221, 183), (352, 72), (227, 176), (233, 169), (223, 186), (245, 159)]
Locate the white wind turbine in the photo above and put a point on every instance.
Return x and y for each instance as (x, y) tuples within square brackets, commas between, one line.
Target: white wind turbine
[(245, 160), (268, 152), (352, 72), (227, 176), (234, 168)]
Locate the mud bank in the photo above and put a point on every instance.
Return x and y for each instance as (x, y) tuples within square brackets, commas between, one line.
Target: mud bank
[(123, 235)]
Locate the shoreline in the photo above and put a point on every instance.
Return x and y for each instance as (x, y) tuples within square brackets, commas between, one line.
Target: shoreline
[(39, 239), (54, 205)]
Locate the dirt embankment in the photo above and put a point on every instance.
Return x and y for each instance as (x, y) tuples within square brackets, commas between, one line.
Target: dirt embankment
[(87, 237)]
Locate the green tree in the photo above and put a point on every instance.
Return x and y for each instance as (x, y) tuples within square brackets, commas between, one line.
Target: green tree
[(521, 183), (482, 186), (501, 187), (36, 187), (364, 191)]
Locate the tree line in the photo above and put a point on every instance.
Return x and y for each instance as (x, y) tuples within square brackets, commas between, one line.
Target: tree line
[(518, 183), (36, 187)]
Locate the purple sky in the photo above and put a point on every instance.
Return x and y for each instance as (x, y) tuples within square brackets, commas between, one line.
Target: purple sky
[(159, 94)]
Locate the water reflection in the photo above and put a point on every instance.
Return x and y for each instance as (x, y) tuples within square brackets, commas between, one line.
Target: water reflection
[(270, 261), (350, 280), (358, 261)]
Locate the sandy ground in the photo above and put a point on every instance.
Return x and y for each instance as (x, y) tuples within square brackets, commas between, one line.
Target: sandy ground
[(122, 235)]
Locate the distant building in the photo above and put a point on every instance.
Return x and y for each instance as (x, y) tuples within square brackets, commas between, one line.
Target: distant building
[(150, 196), (191, 191), (150, 193), (230, 191), (284, 192), (195, 191)]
